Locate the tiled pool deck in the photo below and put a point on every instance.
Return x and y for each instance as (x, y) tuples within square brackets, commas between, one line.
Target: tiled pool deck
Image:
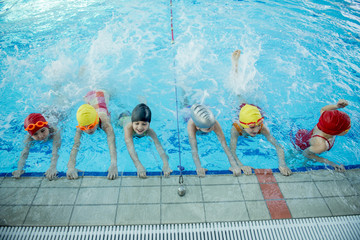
[(35, 201)]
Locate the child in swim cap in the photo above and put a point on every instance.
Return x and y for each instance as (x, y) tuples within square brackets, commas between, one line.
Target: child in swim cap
[(138, 125), (250, 124), (203, 121), (92, 116), (39, 130), (321, 138)]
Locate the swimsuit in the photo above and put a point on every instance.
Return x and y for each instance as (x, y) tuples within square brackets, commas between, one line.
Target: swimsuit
[(303, 136), (99, 99), (238, 128)]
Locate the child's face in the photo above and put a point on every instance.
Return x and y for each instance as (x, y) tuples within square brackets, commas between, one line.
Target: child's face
[(92, 130), (253, 130), (140, 127), (206, 130), (41, 134)]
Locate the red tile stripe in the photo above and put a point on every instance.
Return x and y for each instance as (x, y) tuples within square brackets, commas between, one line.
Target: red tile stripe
[(273, 197)]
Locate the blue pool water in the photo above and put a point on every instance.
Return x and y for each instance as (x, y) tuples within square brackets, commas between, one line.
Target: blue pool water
[(297, 57)]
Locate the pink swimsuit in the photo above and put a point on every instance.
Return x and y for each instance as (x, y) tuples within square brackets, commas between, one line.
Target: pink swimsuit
[(99, 99)]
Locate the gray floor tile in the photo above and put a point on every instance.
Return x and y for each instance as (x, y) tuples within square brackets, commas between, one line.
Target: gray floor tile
[(100, 182), (22, 182), (295, 177), (139, 195), (169, 194), (182, 213), (48, 216), (138, 214), (257, 210), (216, 193), (55, 196), (219, 179), (343, 205), (252, 192), (135, 181), (326, 175), (13, 215), (299, 190), (60, 182), (244, 179), (17, 196), (353, 175), (315, 207), (174, 180), (336, 188), (93, 215), (97, 196), (230, 211)]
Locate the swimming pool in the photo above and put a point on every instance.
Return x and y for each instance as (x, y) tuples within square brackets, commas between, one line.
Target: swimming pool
[(297, 57)]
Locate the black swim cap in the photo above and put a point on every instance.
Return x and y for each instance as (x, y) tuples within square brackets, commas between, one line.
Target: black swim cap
[(141, 113)]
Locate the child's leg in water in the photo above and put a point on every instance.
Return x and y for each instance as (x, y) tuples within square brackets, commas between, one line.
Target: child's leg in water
[(235, 60), (124, 118), (235, 65)]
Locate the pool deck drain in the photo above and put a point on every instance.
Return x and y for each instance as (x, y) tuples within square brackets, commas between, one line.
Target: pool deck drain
[(93, 201)]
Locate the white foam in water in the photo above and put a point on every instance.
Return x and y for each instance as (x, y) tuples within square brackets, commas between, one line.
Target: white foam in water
[(247, 79)]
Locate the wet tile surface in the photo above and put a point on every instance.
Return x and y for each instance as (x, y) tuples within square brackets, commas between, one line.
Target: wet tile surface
[(138, 214), (299, 190), (34, 201), (313, 207), (258, 210), (226, 211), (48, 215), (222, 193), (182, 213)]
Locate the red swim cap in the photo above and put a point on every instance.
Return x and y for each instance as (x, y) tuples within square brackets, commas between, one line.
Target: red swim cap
[(33, 118), (334, 122)]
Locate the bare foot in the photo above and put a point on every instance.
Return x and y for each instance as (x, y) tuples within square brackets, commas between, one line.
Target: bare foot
[(235, 60)]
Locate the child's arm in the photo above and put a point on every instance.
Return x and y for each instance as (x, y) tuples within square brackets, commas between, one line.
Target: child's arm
[(318, 147), (24, 155), (220, 135), (233, 144), (51, 172), (72, 172), (340, 104), (164, 157), (128, 132), (284, 170), (108, 129), (194, 149)]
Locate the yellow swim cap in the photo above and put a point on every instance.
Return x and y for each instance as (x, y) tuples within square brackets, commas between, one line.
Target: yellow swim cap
[(249, 115), (86, 115)]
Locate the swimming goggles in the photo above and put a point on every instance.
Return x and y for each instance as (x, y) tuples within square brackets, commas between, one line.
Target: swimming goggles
[(347, 130), (91, 126), (32, 126), (254, 124)]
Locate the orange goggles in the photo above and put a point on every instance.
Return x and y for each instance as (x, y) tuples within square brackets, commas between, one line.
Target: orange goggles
[(254, 124), (91, 126), (32, 126)]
